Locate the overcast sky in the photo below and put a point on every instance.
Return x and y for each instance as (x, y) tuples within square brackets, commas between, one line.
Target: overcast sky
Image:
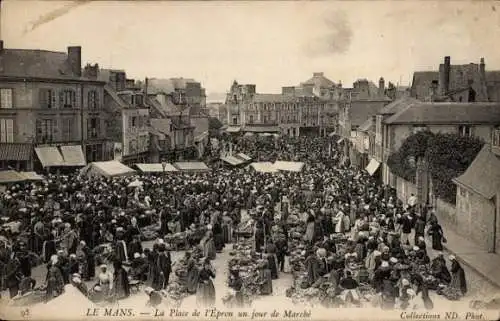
[(270, 44)]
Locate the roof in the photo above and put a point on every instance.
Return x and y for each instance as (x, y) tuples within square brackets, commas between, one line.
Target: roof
[(167, 86), (447, 113), (319, 80), (483, 175), (114, 95), (397, 105), (11, 176), (360, 110), (422, 81), (272, 98), (28, 63)]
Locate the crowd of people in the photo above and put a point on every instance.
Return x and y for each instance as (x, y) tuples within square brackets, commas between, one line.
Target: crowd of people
[(88, 229)]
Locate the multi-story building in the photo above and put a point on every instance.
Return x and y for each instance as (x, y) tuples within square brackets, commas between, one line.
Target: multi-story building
[(127, 115), (294, 112), (459, 83), (471, 119), (218, 111), (46, 103)]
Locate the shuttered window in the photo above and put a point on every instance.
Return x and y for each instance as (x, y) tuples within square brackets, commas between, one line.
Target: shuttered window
[(93, 100), (6, 130), (47, 98), (67, 98), (6, 98)]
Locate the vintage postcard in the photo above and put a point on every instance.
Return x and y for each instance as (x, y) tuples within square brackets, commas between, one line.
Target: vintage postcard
[(249, 160)]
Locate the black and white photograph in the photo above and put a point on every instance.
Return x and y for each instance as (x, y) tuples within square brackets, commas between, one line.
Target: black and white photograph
[(249, 160)]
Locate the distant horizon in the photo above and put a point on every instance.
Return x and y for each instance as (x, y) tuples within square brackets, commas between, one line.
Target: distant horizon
[(270, 44)]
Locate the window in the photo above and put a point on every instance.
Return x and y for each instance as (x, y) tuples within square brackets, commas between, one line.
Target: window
[(251, 119), (235, 121), (465, 130), (45, 130), (419, 128), (67, 98), (93, 102), (93, 127), (134, 122), (47, 98), (67, 129), (496, 137), (6, 130), (6, 98), (138, 100)]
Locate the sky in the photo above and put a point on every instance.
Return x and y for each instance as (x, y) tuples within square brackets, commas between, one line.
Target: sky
[(267, 43)]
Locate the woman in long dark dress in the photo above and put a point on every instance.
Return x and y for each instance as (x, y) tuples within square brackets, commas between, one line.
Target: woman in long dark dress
[(205, 294), (436, 232), (457, 276), (236, 283), (121, 286), (192, 274)]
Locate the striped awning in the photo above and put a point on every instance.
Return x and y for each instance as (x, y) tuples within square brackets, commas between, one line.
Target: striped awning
[(49, 156), (15, 152), (73, 155)]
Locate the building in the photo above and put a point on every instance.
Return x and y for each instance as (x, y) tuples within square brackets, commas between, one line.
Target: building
[(127, 115), (218, 111), (471, 119), (183, 101), (294, 112), (459, 83), (477, 215), (46, 102)]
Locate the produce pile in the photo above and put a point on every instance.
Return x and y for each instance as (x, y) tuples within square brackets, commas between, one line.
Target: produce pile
[(246, 261), (180, 267), (180, 241)]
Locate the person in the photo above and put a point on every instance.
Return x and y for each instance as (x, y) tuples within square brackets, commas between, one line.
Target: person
[(208, 246), (163, 268), (54, 279), (205, 294), (13, 275), (76, 281), (412, 201), (236, 283), (419, 229), (266, 281), (105, 280), (155, 298), (272, 259), (121, 284), (313, 266), (192, 274), (457, 276), (349, 288), (310, 229), (436, 232)]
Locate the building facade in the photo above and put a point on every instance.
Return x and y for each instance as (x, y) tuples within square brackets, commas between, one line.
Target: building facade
[(127, 115), (45, 101), (289, 113)]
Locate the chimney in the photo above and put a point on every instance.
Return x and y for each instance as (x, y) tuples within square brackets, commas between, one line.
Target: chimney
[(318, 74), (91, 71), (444, 76), (482, 68), (75, 60), (381, 86)]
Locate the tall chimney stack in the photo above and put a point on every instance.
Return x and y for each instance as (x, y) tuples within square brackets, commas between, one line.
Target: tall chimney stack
[(482, 69), (381, 86), (75, 60), (445, 76)]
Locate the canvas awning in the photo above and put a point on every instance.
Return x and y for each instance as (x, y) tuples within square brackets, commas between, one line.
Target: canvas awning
[(263, 167), (156, 168), (261, 129), (49, 156), (289, 166), (245, 157), (73, 155), (232, 160), (192, 166), (11, 176), (107, 169), (233, 129), (372, 167), (32, 176)]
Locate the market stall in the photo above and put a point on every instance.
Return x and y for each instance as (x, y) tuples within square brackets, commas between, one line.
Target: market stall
[(191, 167), (106, 169), (156, 168), (289, 166), (263, 167)]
